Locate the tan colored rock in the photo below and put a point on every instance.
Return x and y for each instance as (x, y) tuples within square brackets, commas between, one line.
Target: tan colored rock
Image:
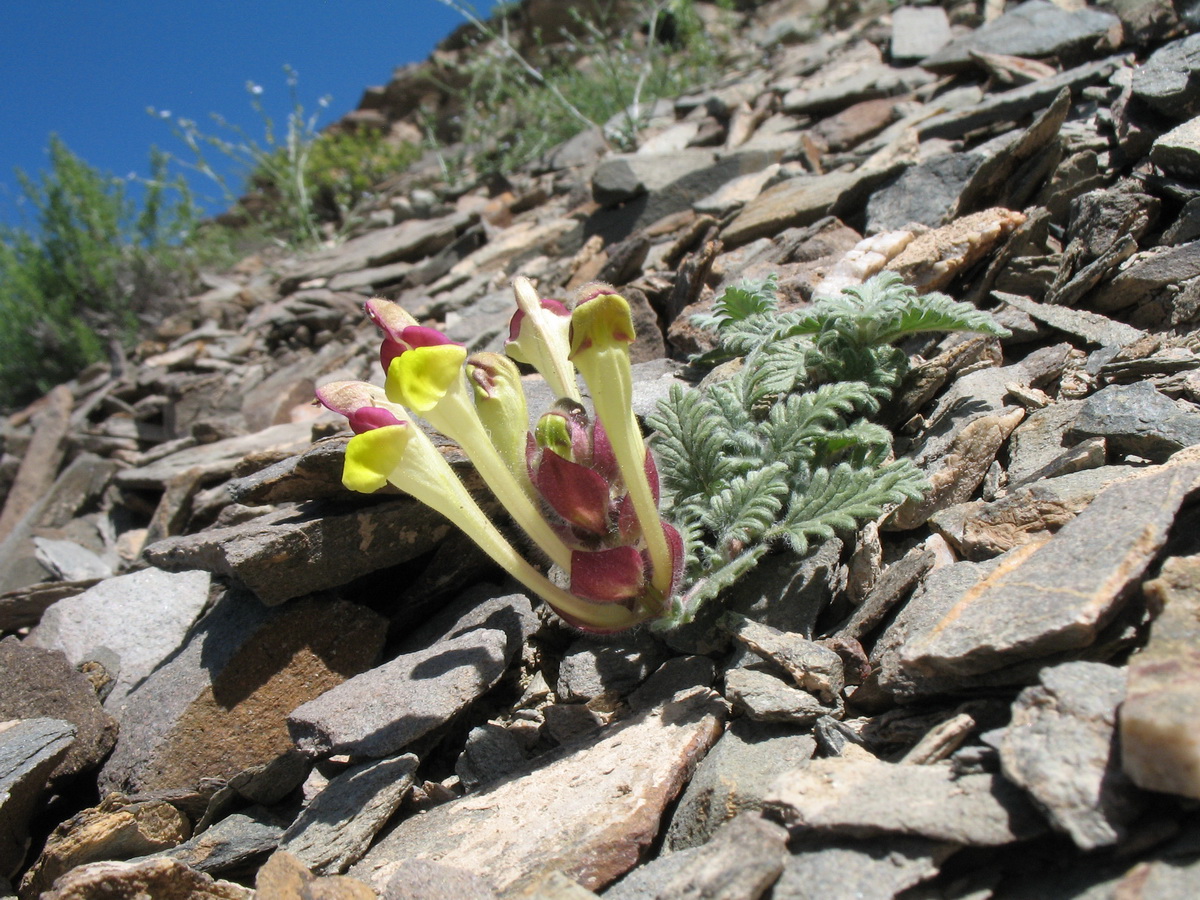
[(962, 468), (221, 705), (932, 260), (285, 878), (161, 879), (39, 465), (116, 829), (796, 202), (1160, 742), (586, 812)]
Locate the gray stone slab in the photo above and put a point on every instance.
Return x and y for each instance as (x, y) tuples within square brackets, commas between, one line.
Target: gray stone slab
[(30, 749), (231, 845), (1092, 327), (862, 798), (974, 625), (217, 458), (1012, 105), (291, 552), (1060, 748), (743, 860), (918, 31), (1160, 748), (334, 830), (860, 870), (593, 668), (382, 711), (407, 242), (1166, 80), (1036, 28), (1178, 151), (165, 606), (1041, 438), (765, 697), (41, 683), (734, 777), (1138, 420), (219, 706)]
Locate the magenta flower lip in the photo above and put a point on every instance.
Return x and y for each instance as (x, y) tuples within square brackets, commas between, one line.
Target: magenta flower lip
[(367, 417), (554, 306)]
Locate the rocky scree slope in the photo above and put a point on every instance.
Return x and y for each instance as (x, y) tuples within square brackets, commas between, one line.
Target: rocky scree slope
[(225, 676)]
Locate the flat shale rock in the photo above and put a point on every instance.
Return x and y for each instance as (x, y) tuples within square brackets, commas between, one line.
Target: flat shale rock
[(162, 879), (932, 260), (219, 458), (918, 32), (588, 813), (380, 712), (614, 666), (407, 242), (42, 684), (743, 860), (1037, 28), (221, 705), (766, 698), (291, 552), (286, 878), (1041, 438), (1178, 151), (797, 202), (424, 879), (865, 798), (734, 777), (1060, 747), (233, 844), (962, 467), (859, 870), (1160, 745), (1037, 600), (30, 749), (1166, 81), (1025, 515), (165, 606), (336, 827), (1139, 420)]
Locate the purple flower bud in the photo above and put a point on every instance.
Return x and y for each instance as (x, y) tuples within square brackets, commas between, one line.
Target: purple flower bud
[(608, 576), (575, 492)]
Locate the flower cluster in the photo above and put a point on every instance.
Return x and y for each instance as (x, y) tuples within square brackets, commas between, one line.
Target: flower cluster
[(584, 491)]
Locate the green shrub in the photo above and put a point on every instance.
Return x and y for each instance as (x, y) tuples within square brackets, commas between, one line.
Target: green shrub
[(343, 166), (512, 111), (74, 279)]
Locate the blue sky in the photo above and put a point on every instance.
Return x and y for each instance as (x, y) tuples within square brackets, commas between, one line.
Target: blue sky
[(88, 69)]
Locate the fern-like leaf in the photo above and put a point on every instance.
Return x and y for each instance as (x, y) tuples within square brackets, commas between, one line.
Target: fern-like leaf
[(839, 498), (748, 506), (690, 440), (739, 302)]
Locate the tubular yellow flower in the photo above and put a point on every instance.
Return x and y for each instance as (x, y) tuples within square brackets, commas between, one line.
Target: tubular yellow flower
[(601, 331), (431, 380)]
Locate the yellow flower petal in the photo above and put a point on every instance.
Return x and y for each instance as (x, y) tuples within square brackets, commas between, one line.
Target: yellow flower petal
[(419, 378), (372, 456)]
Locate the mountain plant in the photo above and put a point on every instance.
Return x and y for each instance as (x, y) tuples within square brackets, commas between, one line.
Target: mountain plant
[(782, 449), (90, 257)]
